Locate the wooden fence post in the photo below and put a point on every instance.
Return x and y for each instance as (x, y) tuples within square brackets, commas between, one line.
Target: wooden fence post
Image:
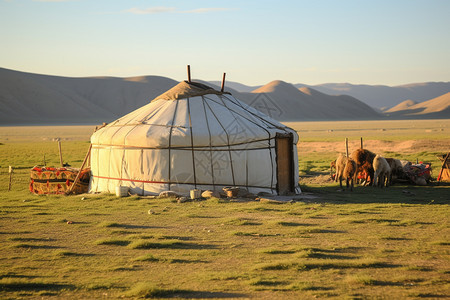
[(10, 177), (79, 172), (346, 147), (443, 165), (60, 153)]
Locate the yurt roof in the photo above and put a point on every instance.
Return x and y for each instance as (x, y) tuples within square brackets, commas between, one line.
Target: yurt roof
[(192, 114), (187, 90)]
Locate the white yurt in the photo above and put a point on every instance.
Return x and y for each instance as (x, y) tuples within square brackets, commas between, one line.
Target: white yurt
[(194, 137)]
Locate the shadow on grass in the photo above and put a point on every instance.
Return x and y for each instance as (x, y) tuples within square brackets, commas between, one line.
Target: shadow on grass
[(316, 288), (391, 238), (263, 209), (14, 275), (253, 234), (349, 249), (405, 194), (276, 251), (242, 222), (185, 261), (175, 237), (125, 226), (200, 216), (125, 269), (428, 295), (266, 282), (325, 266), (64, 253), (318, 230), (113, 242), (189, 294), (293, 224), (34, 286), (30, 239), (331, 256), (30, 246), (18, 232), (143, 244)]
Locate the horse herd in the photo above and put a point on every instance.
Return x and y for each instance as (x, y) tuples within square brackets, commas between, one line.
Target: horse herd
[(363, 164)]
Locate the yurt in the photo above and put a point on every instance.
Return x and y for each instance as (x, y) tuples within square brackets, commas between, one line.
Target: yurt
[(194, 137)]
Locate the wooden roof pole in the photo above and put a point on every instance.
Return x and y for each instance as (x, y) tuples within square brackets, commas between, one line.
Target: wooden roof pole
[(223, 82), (189, 73)]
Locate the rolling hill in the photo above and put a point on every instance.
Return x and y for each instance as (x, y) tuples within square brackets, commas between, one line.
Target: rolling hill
[(27, 98), (437, 108), (401, 106), (385, 96), (283, 101), (376, 96)]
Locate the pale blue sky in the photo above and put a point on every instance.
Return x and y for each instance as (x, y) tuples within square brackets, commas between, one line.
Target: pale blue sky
[(317, 41)]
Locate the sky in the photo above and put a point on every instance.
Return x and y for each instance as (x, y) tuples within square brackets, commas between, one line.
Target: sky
[(254, 42)]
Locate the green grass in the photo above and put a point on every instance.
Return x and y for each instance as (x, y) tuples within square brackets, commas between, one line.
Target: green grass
[(368, 244), (397, 130), (146, 257), (108, 224), (295, 249), (147, 290), (116, 242), (145, 244)]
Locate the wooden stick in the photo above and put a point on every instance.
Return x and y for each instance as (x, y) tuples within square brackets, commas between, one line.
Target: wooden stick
[(10, 178), (443, 165), (189, 73), (223, 82), (79, 172), (362, 143), (60, 154), (346, 147)]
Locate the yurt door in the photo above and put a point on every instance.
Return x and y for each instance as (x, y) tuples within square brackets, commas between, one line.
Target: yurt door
[(285, 158)]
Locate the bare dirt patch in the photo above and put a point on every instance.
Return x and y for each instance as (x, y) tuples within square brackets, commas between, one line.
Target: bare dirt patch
[(324, 179)]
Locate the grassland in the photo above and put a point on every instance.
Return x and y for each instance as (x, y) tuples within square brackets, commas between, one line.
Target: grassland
[(412, 140), (372, 243), (397, 130)]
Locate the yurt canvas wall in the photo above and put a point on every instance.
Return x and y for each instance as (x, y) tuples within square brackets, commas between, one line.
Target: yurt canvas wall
[(195, 137)]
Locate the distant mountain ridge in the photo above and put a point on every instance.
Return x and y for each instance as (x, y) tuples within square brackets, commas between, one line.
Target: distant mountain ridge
[(27, 98), (377, 96), (386, 96), (283, 101), (436, 108)]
